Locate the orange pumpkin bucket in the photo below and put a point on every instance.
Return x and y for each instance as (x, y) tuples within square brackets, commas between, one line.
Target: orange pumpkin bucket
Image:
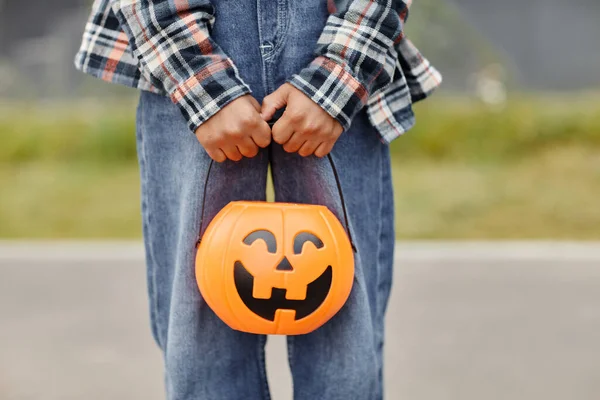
[(275, 268)]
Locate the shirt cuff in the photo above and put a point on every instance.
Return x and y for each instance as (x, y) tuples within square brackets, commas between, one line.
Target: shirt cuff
[(332, 87), (208, 91)]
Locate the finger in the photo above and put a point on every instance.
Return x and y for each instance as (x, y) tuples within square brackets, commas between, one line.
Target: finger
[(248, 148), (308, 148), (232, 152), (295, 142), (217, 155), (262, 135), (274, 101), (283, 130), (323, 149)]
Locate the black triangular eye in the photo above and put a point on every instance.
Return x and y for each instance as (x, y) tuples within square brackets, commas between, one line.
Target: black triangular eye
[(266, 236), (304, 237)]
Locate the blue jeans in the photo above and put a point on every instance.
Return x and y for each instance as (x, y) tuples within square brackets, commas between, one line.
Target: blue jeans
[(205, 359)]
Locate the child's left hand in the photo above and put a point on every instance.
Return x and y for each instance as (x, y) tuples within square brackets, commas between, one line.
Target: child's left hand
[(304, 127)]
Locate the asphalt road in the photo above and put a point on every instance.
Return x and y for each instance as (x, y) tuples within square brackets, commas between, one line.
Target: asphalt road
[(463, 324)]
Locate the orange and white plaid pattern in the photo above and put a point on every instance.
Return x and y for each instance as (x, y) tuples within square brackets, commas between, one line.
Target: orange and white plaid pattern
[(363, 59)]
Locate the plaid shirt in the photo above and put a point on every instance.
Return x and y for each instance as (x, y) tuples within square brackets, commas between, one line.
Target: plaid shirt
[(163, 46)]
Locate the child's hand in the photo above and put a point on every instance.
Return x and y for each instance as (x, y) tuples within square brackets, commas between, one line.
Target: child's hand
[(304, 127), (236, 131)]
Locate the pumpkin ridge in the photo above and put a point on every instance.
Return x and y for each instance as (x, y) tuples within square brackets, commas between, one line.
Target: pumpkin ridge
[(223, 266), (210, 227)]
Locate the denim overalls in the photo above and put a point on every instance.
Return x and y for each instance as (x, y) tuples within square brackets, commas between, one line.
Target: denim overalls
[(268, 40)]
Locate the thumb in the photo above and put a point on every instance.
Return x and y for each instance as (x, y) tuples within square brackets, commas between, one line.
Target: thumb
[(273, 102)]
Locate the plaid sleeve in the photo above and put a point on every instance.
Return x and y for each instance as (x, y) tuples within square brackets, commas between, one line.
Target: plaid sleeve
[(355, 55), (171, 40)]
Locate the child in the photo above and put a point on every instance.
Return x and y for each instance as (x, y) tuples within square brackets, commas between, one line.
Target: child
[(212, 74)]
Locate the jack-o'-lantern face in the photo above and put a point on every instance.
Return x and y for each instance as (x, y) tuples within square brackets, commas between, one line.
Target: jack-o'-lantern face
[(275, 268), (304, 293)]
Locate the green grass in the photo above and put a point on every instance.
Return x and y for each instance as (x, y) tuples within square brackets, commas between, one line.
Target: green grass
[(467, 130), (91, 133), (58, 200), (550, 195), (553, 194), (447, 128), (529, 170)]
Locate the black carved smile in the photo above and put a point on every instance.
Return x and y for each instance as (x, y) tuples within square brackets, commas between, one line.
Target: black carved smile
[(316, 293)]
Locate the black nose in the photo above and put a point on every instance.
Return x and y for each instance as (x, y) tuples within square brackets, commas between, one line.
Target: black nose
[(284, 265)]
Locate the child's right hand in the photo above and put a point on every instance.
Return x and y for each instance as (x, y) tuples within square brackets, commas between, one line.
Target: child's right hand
[(236, 131)]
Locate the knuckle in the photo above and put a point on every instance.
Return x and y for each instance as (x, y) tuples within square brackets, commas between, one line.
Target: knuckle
[(321, 153), (300, 135), (216, 156), (263, 141), (217, 142), (312, 128), (288, 148), (329, 136), (234, 133), (248, 120), (296, 116), (279, 137), (252, 152)]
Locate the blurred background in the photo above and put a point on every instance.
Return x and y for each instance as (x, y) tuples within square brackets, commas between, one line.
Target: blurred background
[(508, 149)]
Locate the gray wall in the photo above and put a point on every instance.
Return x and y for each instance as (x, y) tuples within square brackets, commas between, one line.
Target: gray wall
[(31, 18), (554, 44), (544, 44)]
